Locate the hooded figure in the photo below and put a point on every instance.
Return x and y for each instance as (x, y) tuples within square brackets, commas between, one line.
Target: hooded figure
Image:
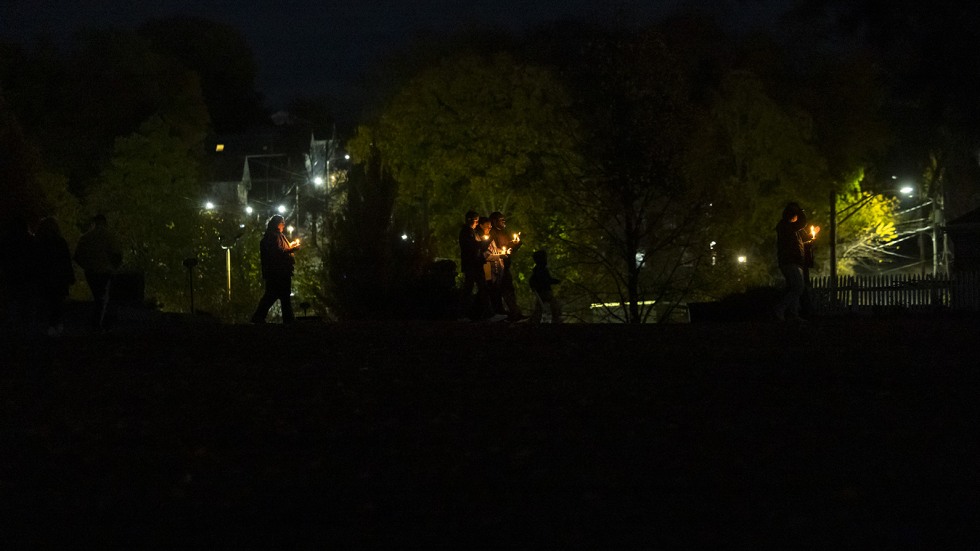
[(99, 255), (541, 282), (276, 254), (791, 255), (55, 273), (790, 241), (509, 244), (471, 261)]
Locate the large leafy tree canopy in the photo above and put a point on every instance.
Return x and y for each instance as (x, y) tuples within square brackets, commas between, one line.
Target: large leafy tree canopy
[(626, 149), (119, 120), (473, 132), (150, 194), (654, 149), (922, 50), (866, 227), (771, 160)]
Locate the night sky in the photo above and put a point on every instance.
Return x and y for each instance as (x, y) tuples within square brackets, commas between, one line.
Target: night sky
[(319, 48)]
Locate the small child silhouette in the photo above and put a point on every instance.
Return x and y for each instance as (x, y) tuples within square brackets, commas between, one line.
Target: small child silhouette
[(541, 282)]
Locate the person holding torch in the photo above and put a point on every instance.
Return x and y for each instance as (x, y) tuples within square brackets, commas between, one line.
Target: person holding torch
[(794, 256), (276, 255), (508, 243)]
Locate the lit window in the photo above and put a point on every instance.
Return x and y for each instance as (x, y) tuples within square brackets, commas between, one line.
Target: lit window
[(220, 147)]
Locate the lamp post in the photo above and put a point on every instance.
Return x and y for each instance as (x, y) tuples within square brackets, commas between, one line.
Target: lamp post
[(932, 223), (227, 249)]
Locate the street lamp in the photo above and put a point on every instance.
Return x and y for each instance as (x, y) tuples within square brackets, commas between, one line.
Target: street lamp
[(227, 249), (931, 223)]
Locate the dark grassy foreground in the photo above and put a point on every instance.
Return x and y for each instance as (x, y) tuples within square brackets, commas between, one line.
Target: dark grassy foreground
[(853, 433)]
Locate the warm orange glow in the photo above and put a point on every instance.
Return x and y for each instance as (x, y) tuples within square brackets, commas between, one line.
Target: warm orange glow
[(220, 147), (294, 243)]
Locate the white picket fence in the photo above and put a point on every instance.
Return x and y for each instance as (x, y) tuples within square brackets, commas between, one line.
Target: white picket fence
[(959, 291)]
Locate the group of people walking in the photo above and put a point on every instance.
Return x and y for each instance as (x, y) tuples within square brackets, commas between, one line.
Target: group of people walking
[(486, 251), (37, 272)]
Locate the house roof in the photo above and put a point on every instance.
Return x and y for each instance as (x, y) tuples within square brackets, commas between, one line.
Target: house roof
[(227, 154)]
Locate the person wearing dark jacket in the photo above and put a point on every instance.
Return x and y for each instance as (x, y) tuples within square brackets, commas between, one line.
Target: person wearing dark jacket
[(99, 255), (541, 282), (16, 275), (276, 255), (508, 244), (471, 260), (55, 274), (792, 241)]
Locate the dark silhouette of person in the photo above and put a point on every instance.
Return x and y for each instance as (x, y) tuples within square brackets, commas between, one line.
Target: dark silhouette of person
[(276, 255), (16, 274), (55, 274), (508, 244), (492, 268), (541, 282), (471, 260), (99, 255), (791, 256)]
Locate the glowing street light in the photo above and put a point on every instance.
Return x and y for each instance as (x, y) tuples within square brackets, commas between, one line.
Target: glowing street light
[(209, 205), (249, 210), (224, 243), (281, 209)]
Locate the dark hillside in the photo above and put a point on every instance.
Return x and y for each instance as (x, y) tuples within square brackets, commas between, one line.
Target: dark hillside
[(855, 432)]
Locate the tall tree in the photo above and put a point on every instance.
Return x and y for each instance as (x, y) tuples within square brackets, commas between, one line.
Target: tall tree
[(19, 167), (638, 204), (770, 160), (364, 265), (224, 62), (923, 50), (473, 132), (151, 194), (103, 86)]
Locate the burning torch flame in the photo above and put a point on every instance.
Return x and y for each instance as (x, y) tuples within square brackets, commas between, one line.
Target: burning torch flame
[(813, 231)]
